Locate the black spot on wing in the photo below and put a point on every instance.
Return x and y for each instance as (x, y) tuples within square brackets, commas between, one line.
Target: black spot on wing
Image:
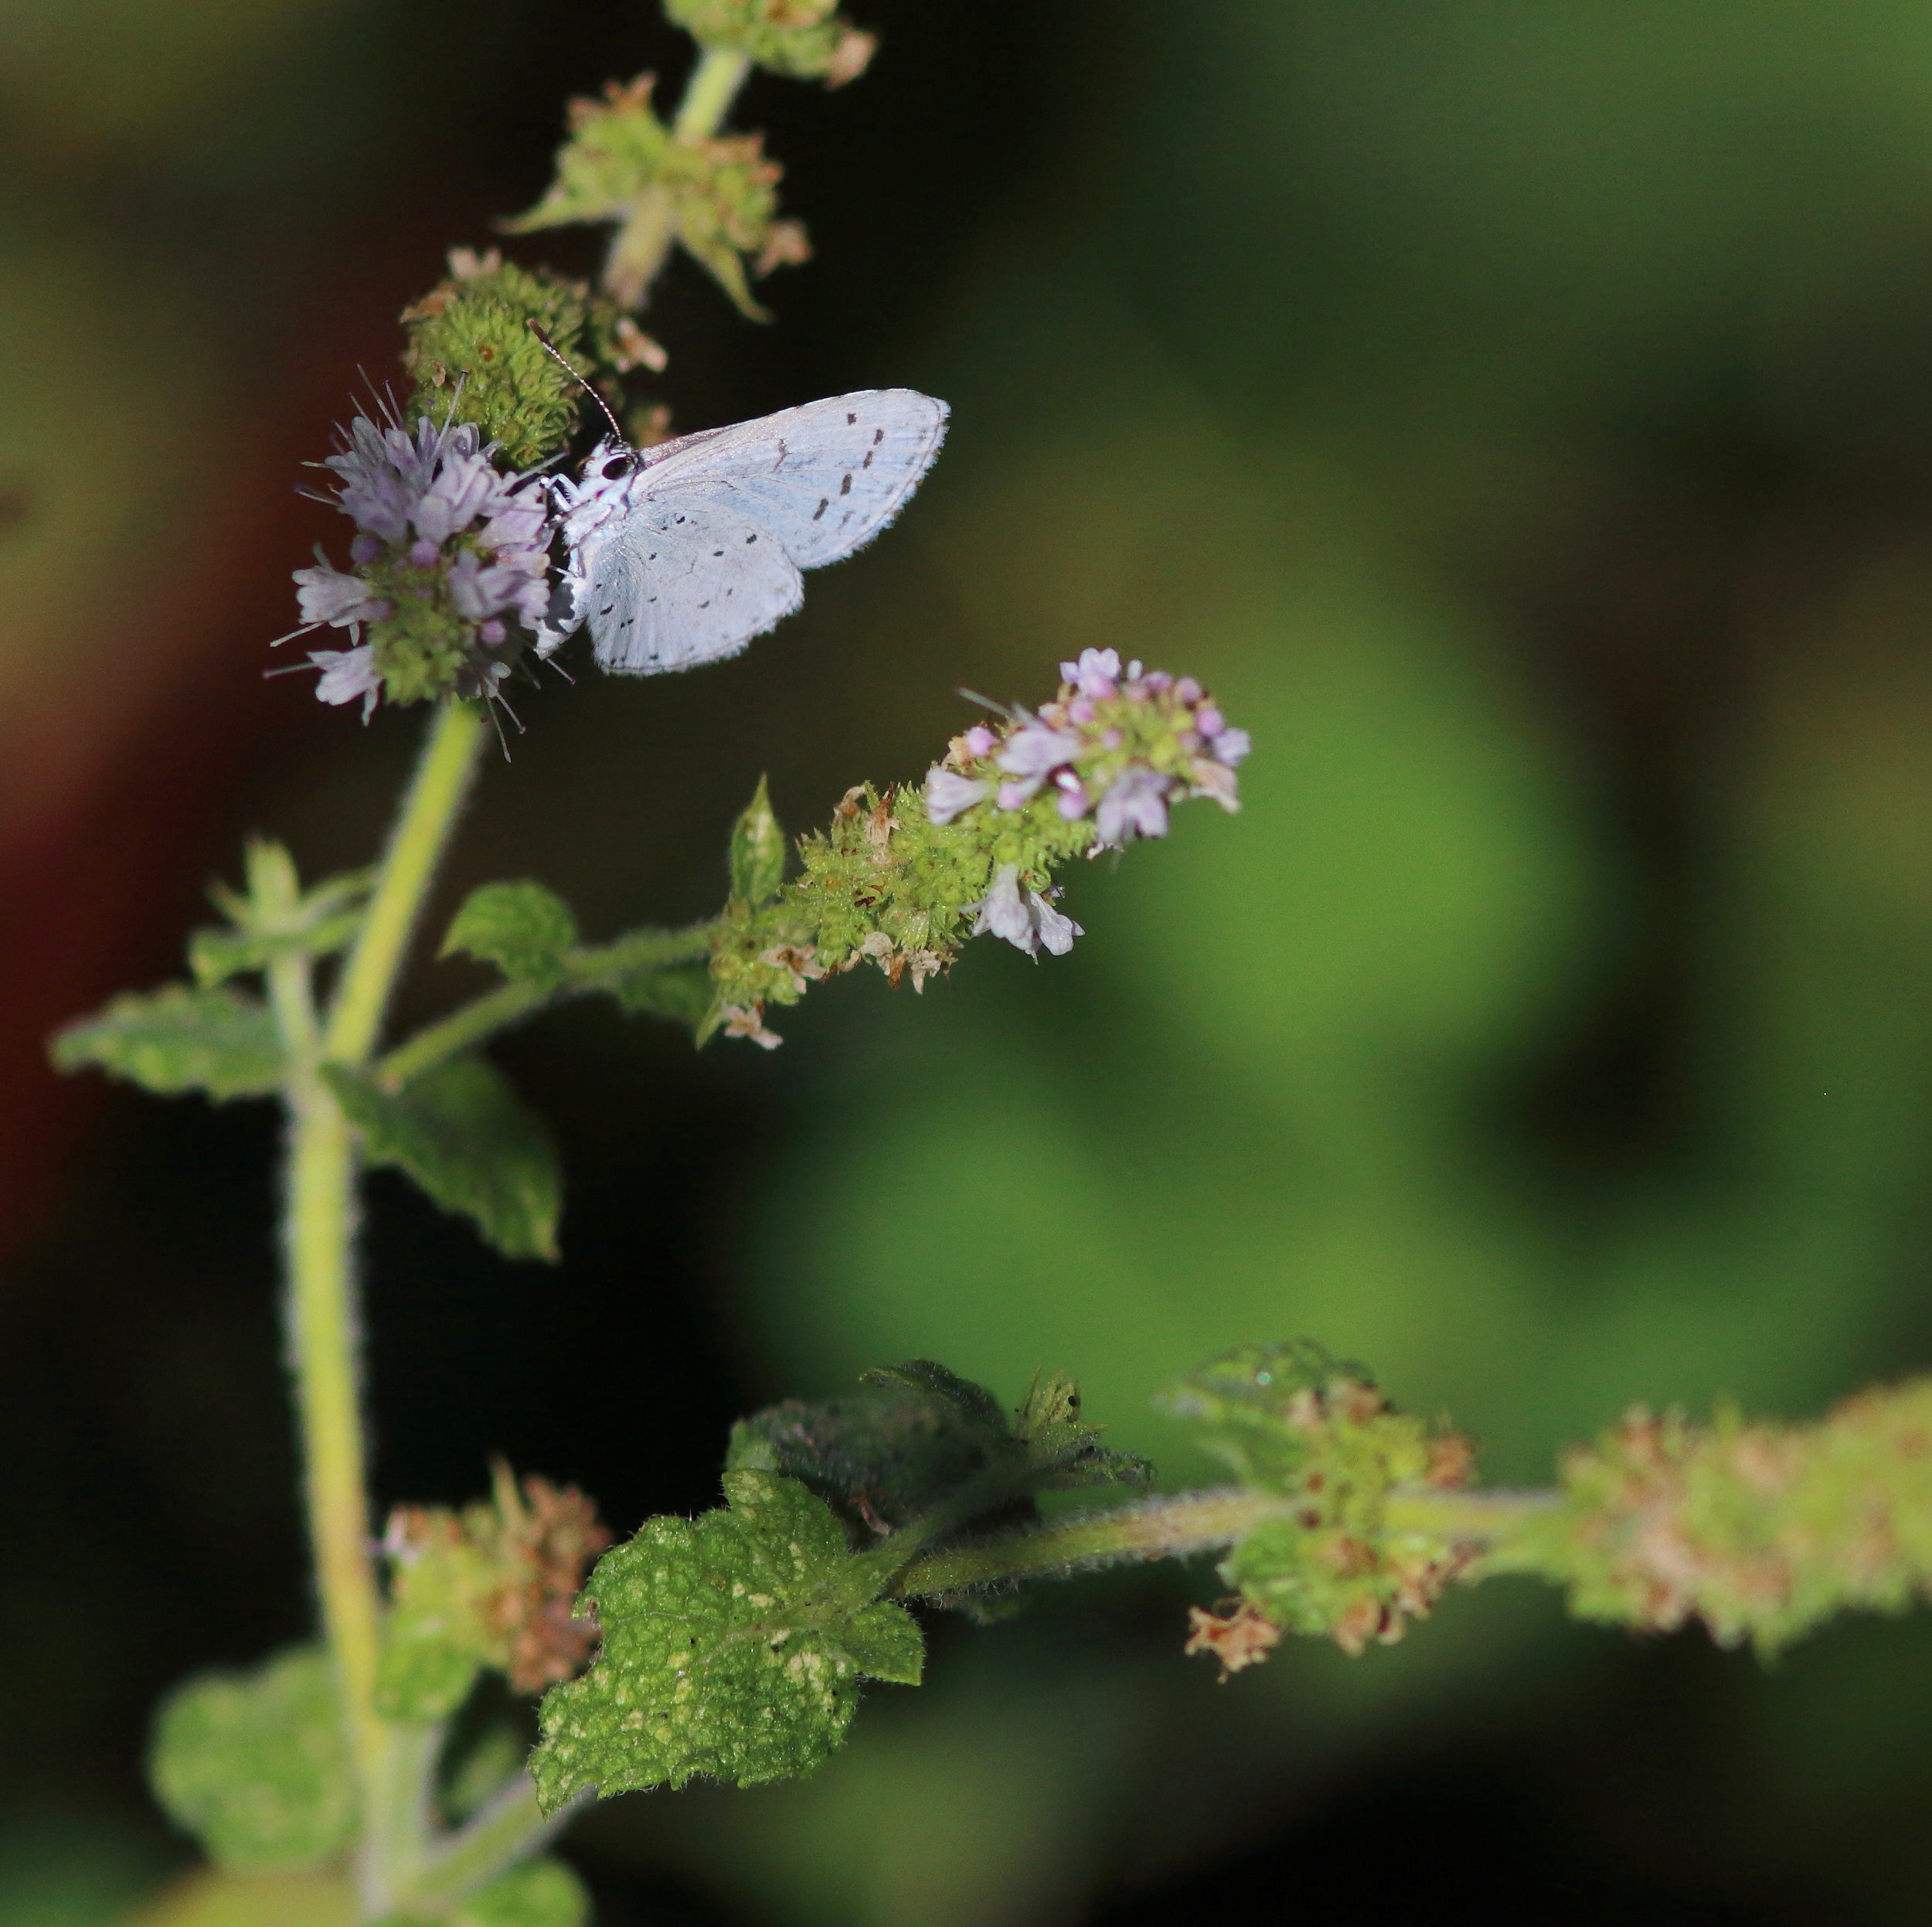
[(878, 436), (851, 421), (866, 464), (845, 487), (824, 502)]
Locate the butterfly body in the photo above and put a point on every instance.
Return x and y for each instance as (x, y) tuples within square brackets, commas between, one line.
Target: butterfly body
[(681, 553)]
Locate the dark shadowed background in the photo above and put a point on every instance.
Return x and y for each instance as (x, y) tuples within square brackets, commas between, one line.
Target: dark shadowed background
[(1520, 412)]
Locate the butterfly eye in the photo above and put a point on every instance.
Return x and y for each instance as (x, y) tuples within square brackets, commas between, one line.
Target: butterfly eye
[(616, 466)]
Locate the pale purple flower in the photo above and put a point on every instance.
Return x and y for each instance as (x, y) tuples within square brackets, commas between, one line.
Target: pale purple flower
[(1024, 918), (347, 674), (478, 593), (980, 740), (327, 598), (1032, 754), (384, 473), (1096, 674), (948, 793), (464, 487), (1230, 746), (1135, 806), (1073, 798), (411, 497)]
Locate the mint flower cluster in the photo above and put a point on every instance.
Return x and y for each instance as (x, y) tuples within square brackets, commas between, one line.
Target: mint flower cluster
[(904, 879), (449, 565)]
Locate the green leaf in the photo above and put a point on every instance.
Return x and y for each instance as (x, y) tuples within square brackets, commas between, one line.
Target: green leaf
[(682, 992), (255, 1764), (527, 931), (425, 1672), (758, 851), (734, 1646), (274, 918), (1064, 1448), (915, 1435), (539, 1893), (177, 1039), (464, 1134)]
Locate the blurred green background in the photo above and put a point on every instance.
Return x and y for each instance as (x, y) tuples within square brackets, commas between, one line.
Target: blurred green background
[(1520, 412)]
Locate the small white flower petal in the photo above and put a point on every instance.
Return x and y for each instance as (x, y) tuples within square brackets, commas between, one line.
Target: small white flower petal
[(1003, 912), (1056, 930), (347, 674)]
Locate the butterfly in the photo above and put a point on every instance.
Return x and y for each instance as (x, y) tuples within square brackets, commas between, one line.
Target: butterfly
[(680, 553)]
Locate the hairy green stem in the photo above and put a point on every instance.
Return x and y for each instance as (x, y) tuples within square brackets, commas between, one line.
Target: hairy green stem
[(460, 1030), (507, 1828), (1194, 1521), (323, 1315), (1496, 1521), (400, 1814), (709, 93), (1171, 1528), (591, 968), (436, 797), (639, 247)]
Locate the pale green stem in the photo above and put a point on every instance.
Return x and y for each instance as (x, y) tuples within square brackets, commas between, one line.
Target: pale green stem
[(709, 93), (639, 247), (429, 813), (586, 970), (323, 1314), (400, 1815), (508, 1828), (1194, 1521), (319, 1227)]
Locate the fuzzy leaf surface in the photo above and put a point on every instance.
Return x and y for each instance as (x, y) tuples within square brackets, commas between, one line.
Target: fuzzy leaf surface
[(473, 1145), (256, 1766), (527, 931), (758, 851), (915, 1435), (682, 992), (734, 1646), (178, 1039)]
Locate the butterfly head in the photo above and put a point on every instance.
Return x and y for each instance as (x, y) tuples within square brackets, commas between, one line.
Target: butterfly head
[(610, 461)]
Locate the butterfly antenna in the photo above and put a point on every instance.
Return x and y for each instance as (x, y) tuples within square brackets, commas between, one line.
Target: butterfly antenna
[(550, 348)]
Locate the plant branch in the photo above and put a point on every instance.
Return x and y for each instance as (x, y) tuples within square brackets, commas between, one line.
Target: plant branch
[(1170, 1528), (507, 1828), (321, 1310), (639, 248), (436, 797), (1194, 1521), (591, 968)]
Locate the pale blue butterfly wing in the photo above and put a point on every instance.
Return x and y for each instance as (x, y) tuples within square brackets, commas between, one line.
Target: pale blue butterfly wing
[(701, 548), (681, 580), (823, 478)]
